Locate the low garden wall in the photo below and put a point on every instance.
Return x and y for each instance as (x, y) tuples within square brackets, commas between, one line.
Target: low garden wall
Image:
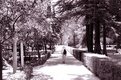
[(102, 66)]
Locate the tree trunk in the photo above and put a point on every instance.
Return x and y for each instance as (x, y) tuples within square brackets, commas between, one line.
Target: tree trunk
[(118, 42), (1, 66), (38, 51), (22, 54), (89, 34), (39, 56), (50, 46), (97, 37), (61, 38), (104, 40), (74, 41), (45, 48), (14, 54), (89, 37)]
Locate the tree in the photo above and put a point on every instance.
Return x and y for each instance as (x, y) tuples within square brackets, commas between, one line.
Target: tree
[(15, 14), (78, 8), (5, 34), (96, 13), (12, 12), (115, 9), (72, 9)]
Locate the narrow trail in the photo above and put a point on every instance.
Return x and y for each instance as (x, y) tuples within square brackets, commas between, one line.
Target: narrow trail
[(54, 69)]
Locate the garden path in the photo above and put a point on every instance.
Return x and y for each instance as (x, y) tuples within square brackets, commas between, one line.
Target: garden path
[(54, 69)]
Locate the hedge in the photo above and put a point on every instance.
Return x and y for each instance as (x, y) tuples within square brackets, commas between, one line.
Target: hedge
[(102, 66)]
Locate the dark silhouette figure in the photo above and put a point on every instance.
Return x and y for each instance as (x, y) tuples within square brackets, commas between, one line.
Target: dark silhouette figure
[(64, 55), (64, 52)]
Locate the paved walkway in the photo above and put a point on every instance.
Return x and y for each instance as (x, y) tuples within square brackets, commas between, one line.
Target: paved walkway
[(54, 69)]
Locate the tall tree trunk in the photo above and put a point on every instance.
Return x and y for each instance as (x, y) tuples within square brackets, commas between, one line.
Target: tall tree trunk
[(22, 54), (104, 40), (97, 37), (14, 54), (61, 38), (74, 40), (38, 51), (89, 34), (118, 42), (37, 46), (89, 37), (1, 61), (45, 48), (39, 54), (50, 45)]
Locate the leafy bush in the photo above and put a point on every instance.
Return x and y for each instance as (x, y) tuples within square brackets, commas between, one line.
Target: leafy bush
[(28, 71)]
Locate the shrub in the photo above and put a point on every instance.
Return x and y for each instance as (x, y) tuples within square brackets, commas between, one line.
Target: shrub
[(117, 71), (104, 67), (28, 71), (77, 54)]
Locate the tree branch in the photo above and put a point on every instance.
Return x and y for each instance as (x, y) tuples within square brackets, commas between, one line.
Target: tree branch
[(16, 21)]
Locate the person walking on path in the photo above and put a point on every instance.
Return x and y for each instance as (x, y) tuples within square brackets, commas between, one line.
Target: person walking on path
[(64, 55)]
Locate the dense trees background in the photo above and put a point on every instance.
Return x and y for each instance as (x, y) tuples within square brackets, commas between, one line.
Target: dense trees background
[(98, 18), (24, 21)]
